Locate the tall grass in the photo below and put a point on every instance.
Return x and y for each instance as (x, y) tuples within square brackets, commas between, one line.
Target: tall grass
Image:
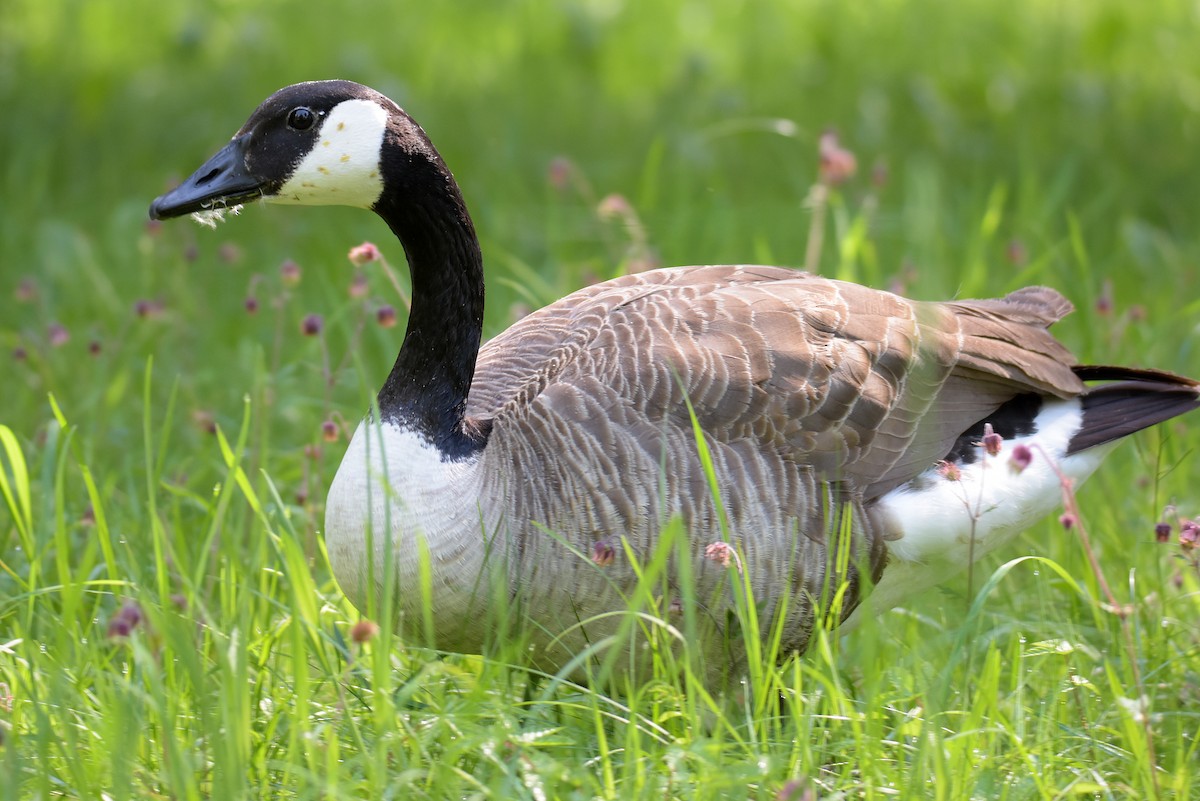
[(169, 626)]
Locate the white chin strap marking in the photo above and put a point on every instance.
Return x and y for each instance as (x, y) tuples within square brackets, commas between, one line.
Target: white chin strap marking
[(342, 169)]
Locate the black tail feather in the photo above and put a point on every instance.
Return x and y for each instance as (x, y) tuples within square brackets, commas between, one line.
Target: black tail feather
[(1138, 399)]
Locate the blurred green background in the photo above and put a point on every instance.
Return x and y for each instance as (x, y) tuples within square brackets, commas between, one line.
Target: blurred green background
[(998, 144), (1059, 135)]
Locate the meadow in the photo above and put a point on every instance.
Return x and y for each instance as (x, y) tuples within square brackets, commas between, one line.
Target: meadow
[(176, 399)]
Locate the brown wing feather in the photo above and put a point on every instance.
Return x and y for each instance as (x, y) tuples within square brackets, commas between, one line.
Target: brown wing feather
[(814, 396)]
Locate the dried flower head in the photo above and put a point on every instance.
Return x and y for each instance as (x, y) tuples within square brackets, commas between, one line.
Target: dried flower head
[(364, 254), (358, 284), (1189, 534), (312, 325), (949, 471), (364, 631), (719, 552), (1162, 532), (386, 316), (837, 164), (991, 442), (94, 347), (558, 174), (26, 290), (57, 335), (289, 273), (1015, 252), (1067, 520), (229, 253), (251, 304), (1021, 458), (126, 619), (613, 206), (20, 354), (329, 431), (603, 553)]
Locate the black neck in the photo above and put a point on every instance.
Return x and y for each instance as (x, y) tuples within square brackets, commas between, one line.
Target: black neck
[(427, 388)]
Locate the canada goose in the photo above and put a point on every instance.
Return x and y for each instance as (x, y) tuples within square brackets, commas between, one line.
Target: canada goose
[(826, 407)]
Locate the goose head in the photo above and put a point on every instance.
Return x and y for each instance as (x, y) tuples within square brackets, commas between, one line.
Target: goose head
[(339, 143), (320, 143)]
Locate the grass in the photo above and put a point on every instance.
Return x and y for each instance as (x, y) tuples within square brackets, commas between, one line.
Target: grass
[(164, 452)]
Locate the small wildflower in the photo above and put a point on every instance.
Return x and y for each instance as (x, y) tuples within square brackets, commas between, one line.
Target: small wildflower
[(1015, 252), (191, 253), (229, 253), (329, 431), (675, 607), (364, 254), (203, 419), (301, 497), (837, 164), (1067, 520), (289, 273), (1137, 313), (88, 518), (613, 206), (558, 174), (603, 553), (796, 790), (1021, 458), (518, 310), (949, 471), (26, 290), (312, 325), (126, 619), (1162, 532), (385, 316), (148, 308), (1104, 301), (251, 304), (1189, 535), (358, 285), (94, 347), (364, 631), (312, 452), (719, 552), (20, 354), (179, 600), (879, 175), (58, 335), (991, 441)]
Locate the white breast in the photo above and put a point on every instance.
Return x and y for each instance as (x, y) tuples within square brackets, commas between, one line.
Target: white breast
[(394, 494)]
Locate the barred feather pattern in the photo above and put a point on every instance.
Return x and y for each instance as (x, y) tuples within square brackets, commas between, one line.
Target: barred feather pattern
[(815, 397)]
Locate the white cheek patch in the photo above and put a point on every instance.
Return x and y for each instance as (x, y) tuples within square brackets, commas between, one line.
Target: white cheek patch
[(342, 169)]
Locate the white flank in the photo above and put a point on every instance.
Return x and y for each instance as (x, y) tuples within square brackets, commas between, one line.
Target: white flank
[(944, 524), (342, 169), (393, 493)]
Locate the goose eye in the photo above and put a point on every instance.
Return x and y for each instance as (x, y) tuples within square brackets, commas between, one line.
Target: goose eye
[(301, 118)]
